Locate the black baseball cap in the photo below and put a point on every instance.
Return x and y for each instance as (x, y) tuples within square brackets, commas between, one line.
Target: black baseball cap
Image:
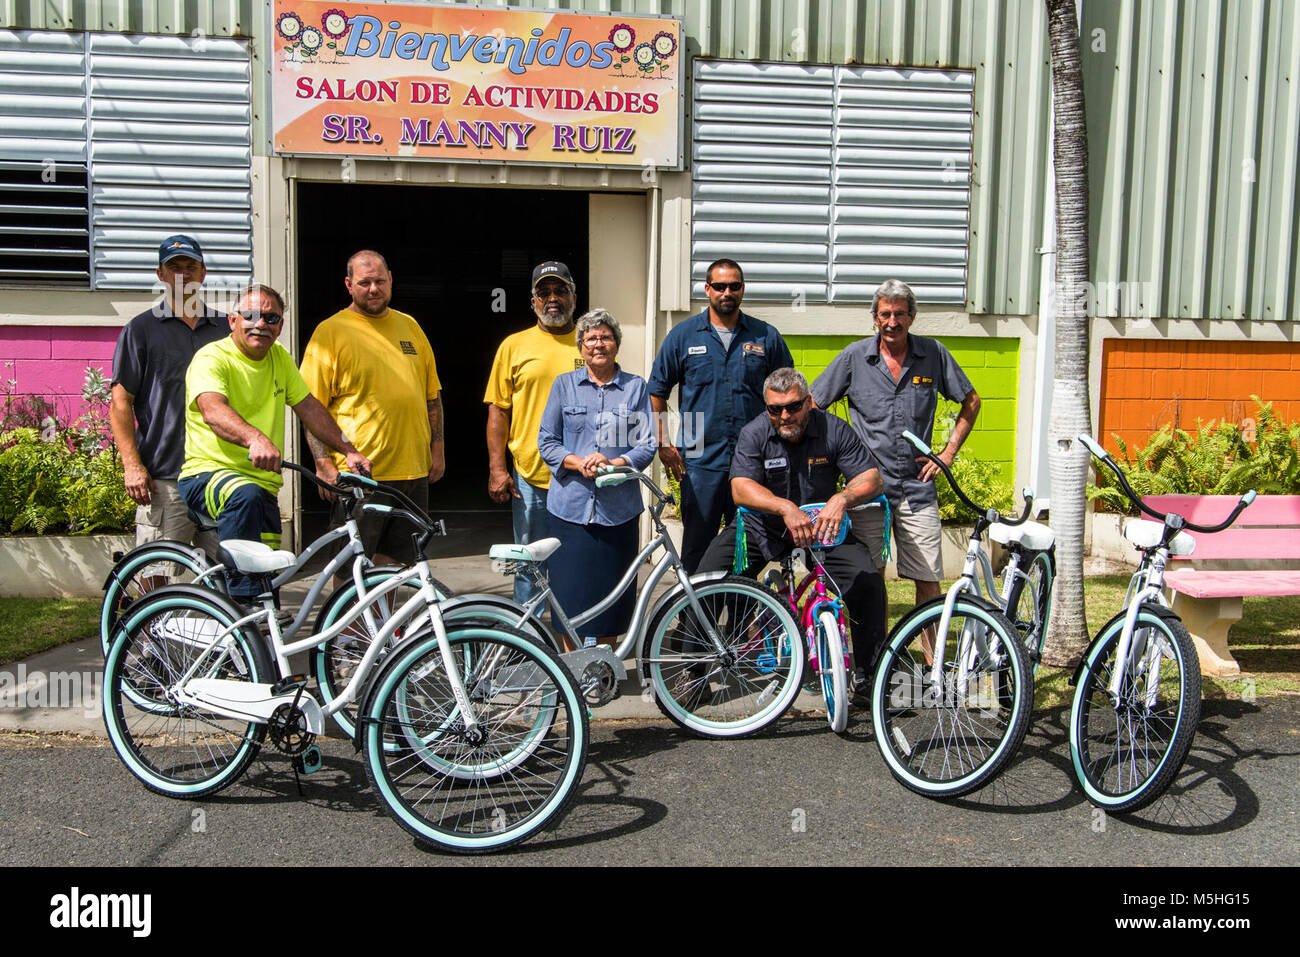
[(553, 270), (179, 245)]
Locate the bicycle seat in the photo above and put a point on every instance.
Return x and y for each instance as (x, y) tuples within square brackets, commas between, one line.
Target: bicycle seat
[(1032, 535), (537, 551), (1146, 534), (254, 558)]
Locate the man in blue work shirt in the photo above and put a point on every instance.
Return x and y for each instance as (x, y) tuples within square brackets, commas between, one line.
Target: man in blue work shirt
[(719, 359)]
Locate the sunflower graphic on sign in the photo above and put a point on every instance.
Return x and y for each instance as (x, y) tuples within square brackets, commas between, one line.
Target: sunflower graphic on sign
[(309, 42)]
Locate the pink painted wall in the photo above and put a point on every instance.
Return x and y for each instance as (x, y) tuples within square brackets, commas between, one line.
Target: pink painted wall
[(51, 361)]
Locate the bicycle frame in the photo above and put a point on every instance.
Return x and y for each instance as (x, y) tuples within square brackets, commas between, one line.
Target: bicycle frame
[(643, 613), (806, 607)]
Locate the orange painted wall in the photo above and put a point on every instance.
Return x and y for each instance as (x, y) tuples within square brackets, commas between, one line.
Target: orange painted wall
[(1146, 383)]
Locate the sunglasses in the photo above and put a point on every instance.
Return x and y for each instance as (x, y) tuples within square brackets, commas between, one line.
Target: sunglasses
[(725, 286), (791, 407), (252, 315)]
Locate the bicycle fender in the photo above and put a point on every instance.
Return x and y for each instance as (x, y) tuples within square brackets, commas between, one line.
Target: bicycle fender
[(1160, 610), (161, 545)]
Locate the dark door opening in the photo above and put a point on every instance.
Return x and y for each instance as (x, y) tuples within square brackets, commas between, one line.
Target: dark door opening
[(461, 261)]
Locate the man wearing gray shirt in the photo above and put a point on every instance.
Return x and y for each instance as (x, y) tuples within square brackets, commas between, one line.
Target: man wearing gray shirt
[(147, 410), (893, 381)]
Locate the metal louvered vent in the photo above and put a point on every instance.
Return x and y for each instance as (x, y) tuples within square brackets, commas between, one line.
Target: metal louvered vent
[(145, 135), (44, 218), (823, 181)]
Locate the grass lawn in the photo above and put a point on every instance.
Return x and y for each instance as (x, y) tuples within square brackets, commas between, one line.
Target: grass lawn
[(30, 625), (1266, 642)]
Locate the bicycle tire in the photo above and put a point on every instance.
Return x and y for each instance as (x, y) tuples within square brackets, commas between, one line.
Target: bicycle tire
[(173, 561), (1125, 757), (179, 750), (334, 663), (1029, 603), (834, 676), (759, 676), (946, 741), (512, 679)]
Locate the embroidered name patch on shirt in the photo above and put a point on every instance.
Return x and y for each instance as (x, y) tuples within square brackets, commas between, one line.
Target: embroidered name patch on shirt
[(755, 348), (775, 463), (697, 350)]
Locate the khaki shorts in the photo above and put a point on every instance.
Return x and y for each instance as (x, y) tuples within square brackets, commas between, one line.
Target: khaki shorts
[(915, 543), (167, 516)]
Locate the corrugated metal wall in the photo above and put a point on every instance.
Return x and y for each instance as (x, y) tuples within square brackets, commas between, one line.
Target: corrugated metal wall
[(1194, 142), (1188, 100), (215, 18)]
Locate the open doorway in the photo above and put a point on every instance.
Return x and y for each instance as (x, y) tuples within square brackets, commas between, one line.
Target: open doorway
[(461, 260)]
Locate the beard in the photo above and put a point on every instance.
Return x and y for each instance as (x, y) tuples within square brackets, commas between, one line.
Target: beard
[(554, 320), (793, 432)]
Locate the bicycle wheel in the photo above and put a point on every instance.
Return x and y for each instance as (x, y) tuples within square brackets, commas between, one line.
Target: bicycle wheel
[(834, 676), (950, 738), (482, 788), (145, 569), (747, 686), (335, 662), (177, 749), (1029, 603), (1126, 753), (423, 741)]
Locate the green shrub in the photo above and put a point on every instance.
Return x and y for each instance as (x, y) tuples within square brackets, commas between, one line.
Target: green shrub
[(1218, 459), (55, 478)]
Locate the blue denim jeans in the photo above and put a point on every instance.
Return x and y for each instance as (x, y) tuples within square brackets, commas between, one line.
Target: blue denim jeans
[(531, 523)]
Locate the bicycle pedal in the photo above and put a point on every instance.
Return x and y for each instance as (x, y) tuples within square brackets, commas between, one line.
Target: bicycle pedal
[(309, 762), (289, 683)]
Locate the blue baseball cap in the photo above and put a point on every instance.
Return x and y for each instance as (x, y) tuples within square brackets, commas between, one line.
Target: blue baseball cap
[(179, 245), (552, 270)]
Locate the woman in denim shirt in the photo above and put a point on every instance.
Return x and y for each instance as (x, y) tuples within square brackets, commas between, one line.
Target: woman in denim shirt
[(597, 415)]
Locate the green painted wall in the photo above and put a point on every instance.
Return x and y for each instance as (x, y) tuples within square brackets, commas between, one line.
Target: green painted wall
[(993, 367)]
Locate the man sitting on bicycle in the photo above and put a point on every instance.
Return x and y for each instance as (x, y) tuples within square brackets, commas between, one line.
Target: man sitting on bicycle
[(790, 456)]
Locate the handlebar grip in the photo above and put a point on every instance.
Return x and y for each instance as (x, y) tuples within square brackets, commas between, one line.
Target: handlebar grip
[(1027, 494), (346, 479), (1248, 497), (1089, 444), (919, 443)]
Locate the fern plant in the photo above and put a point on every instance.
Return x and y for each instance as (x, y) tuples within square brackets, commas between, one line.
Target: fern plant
[(1219, 459)]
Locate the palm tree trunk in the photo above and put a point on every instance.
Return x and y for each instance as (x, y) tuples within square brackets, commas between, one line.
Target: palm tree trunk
[(1067, 634)]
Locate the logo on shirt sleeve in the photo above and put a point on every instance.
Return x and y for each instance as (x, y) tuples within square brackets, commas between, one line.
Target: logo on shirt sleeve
[(408, 348)]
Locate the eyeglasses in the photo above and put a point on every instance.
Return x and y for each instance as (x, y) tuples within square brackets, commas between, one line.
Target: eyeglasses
[(886, 314), (252, 315), (791, 407), (725, 286), (592, 340), (546, 292)]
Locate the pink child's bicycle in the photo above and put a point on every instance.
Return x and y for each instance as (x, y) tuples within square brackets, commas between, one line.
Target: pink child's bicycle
[(820, 612)]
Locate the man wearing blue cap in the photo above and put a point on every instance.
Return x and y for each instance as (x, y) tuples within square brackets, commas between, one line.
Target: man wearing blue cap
[(147, 412)]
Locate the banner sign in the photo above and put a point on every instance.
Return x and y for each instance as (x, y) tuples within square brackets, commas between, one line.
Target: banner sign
[(465, 83)]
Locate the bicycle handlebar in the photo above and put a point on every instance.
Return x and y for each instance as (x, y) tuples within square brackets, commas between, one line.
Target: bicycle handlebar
[(352, 485), (611, 475), (990, 515), (1169, 519)]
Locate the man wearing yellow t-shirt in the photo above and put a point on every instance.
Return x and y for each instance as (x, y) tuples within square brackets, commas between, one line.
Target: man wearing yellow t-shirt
[(373, 369), (236, 390), (526, 365)]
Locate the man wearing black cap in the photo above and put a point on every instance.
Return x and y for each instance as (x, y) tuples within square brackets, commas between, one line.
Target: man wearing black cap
[(525, 367), (147, 412)]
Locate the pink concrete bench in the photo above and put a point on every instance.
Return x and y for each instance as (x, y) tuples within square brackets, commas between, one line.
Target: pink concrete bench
[(1209, 601)]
